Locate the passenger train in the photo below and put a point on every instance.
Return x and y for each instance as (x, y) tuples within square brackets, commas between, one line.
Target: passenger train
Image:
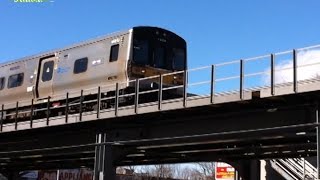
[(119, 57)]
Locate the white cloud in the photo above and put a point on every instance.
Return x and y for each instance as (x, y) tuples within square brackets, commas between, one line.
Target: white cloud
[(308, 63)]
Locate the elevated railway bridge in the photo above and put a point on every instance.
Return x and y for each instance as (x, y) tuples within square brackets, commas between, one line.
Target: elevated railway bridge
[(252, 114)]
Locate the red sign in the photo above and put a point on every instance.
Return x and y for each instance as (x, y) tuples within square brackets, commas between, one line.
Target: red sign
[(224, 171)]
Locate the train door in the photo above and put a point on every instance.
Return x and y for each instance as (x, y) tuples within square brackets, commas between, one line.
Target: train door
[(45, 78)]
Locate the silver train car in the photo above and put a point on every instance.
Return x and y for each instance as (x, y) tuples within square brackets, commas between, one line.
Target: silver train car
[(119, 57)]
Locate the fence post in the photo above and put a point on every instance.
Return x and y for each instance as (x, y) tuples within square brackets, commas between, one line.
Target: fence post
[(80, 108), (31, 113), (48, 110), (1, 125), (67, 107), (136, 102), (185, 86), (272, 70), (213, 69), (160, 92), (98, 102), (295, 85), (241, 78), (116, 102), (16, 115)]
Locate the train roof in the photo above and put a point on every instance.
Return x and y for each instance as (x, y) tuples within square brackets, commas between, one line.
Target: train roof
[(86, 42), (50, 52)]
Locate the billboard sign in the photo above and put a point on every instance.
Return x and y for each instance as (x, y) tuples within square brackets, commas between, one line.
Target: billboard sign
[(224, 171)]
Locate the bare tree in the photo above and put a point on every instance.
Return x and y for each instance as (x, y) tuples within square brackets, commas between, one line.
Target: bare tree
[(145, 172), (129, 170), (132, 168), (207, 169), (187, 173), (158, 171), (163, 171), (192, 172), (198, 171)]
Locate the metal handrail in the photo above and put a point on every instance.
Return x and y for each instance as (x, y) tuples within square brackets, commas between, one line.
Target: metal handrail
[(257, 58), (281, 166), (309, 169), (309, 47), (299, 167), (283, 52), (173, 73), (227, 63)]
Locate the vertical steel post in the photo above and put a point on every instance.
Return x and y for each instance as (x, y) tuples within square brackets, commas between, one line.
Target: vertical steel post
[(116, 100), (80, 107), (109, 169), (1, 125), (160, 92), (235, 177), (102, 151), (16, 116), (48, 110), (294, 61), (136, 102), (318, 141), (98, 102), (272, 70), (31, 113), (185, 87), (67, 107), (241, 79), (97, 158), (213, 69)]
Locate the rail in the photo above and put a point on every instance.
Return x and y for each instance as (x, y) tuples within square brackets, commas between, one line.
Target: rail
[(292, 69), (283, 170), (295, 168)]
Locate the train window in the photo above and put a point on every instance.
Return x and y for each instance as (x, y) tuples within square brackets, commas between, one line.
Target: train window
[(2, 81), (178, 59), (114, 53), (15, 80), (80, 65), (159, 57), (47, 71), (141, 52)]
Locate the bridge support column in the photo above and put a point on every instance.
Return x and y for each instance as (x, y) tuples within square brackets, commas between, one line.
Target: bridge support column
[(263, 172), (247, 169), (104, 160)]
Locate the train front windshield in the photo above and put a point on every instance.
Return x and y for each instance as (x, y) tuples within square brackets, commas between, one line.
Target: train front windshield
[(158, 48)]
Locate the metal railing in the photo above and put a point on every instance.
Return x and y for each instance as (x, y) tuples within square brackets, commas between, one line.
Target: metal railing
[(295, 168), (283, 170), (287, 68)]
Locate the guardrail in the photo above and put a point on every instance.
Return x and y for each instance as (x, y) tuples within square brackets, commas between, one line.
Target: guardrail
[(295, 168), (283, 170), (290, 68)]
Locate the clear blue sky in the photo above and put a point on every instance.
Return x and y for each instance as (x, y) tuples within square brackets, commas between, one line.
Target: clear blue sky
[(215, 30)]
